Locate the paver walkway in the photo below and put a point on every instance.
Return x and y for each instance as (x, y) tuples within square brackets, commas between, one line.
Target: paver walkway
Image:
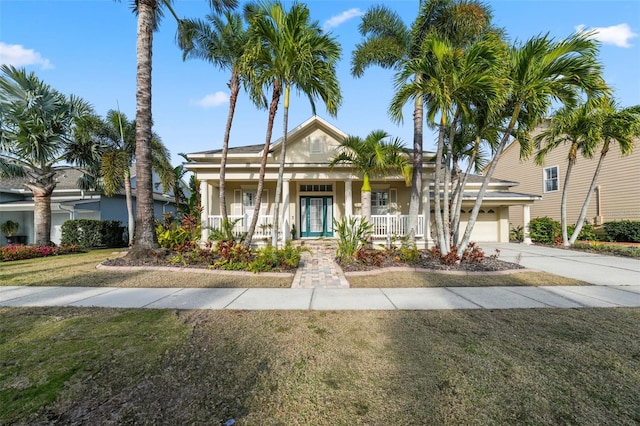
[(318, 268)]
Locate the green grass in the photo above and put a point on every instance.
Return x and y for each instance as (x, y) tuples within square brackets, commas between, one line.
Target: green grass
[(424, 279), (80, 270), (528, 366)]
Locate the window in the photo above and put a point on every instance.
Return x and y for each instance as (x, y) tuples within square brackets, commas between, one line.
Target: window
[(379, 202), (245, 202), (315, 146), (316, 188), (551, 179)]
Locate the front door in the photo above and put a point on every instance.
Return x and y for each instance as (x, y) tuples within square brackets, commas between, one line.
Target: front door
[(316, 216)]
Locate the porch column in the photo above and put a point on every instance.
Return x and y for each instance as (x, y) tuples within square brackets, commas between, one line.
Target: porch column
[(204, 216), (526, 218), (285, 225), (426, 213), (348, 198)]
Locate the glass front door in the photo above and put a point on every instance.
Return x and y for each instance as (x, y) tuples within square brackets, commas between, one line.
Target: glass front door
[(316, 216)]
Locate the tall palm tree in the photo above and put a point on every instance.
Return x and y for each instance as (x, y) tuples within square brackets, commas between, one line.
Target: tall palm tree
[(620, 125), (221, 42), (577, 127), (453, 80), (377, 155), (119, 155), (541, 70), (389, 43), (37, 135), (149, 14), (290, 48)]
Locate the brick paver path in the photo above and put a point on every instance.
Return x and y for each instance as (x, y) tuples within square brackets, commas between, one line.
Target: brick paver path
[(318, 268)]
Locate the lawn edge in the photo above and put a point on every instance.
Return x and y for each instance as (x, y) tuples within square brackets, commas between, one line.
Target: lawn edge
[(194, 270), (434, 271)]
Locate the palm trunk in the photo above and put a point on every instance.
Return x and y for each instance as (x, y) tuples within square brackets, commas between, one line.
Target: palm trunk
[(131, 225), (462, 246), (145, 238), (42, 215), (440, 239), (273, 108), (565, 192), (447, 185), (458, 194), (587, 199), (416, 173), (283, 153), (234, 85), (365, 199)]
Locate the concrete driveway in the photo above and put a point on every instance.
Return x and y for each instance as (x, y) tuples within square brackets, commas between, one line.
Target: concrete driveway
[(593, 268)]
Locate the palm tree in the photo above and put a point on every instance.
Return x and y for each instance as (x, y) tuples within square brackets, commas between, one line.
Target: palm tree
[(221, 42), (375, 156), (118, 156), (541, 71), (453, 80), (389, 43), (620, 125), (577, 127), (289, 48), (149, 14), (37, 135)]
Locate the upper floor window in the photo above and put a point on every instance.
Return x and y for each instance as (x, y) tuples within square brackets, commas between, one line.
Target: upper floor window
[(550, 179), (315, 146)]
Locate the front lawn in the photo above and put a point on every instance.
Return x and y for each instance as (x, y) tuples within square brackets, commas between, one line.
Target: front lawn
[(108, 366)]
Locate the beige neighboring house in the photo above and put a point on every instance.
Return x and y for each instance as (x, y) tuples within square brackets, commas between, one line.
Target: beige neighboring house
[(616, 197), (314, 194)]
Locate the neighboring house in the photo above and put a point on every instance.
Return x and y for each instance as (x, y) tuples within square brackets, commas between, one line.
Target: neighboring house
[(314, 194), (616, 197), (69, 202)]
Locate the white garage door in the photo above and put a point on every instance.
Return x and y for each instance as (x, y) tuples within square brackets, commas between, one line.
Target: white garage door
[(486, 229)]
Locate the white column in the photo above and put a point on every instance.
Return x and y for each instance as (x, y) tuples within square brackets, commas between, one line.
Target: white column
[(348, 198), (426, 212), (285, 226), (526, 218), (204, 216)]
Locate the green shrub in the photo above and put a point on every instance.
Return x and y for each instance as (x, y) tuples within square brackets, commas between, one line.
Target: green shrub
[(353, 234), (225, 232), (182, 237), (587, 233), (544, 230), (626, 231), (270, 259), (516, 234), (92, 233), (409, 254)]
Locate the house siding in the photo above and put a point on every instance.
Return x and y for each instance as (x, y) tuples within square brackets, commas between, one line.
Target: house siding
[(618, 183)]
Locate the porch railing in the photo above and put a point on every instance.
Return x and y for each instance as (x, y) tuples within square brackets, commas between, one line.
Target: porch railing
[(263, 227), (384, 226)]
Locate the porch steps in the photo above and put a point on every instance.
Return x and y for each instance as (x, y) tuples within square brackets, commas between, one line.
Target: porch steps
[(318, 268)]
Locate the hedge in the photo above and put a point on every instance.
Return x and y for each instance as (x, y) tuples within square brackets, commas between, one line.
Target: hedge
[(625, 231), (93, 233)]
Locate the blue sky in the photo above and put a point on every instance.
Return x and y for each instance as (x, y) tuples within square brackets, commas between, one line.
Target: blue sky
[(87, 47)]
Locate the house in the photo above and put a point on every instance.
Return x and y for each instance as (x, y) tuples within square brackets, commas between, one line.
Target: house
[(616, 197), (68, 202), (315, 194)]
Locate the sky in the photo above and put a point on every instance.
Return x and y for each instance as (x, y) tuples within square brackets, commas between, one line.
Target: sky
[(88, 48)]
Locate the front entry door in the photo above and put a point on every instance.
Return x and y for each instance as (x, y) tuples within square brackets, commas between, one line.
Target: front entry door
[(316, 216)]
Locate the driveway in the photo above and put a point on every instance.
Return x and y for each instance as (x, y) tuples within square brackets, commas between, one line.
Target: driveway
[(593, 268)]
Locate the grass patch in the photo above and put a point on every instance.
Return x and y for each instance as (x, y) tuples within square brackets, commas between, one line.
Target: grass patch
[(80, 270), (435, 367), (425, 279), (613, 249)]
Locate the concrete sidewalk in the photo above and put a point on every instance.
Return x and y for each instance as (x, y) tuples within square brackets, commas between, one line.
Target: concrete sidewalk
[(593, 268), (325, 299)]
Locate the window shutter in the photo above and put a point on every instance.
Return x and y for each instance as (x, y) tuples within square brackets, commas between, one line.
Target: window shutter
[(264, 204), (393, 200), (237, 202)]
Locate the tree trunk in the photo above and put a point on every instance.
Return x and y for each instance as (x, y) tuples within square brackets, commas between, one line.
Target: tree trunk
[(440, 239), (283, 153), (131, 225), (145, 237), (462, 246), (273, 108), (234, 85), (365, 199), (42, 214), (416, 173), (587, 199), (565, 192), (458, 193)]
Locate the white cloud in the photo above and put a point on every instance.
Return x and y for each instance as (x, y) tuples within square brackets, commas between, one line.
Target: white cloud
[(618, 35), (340, 19), (18, 56), (213, 100)]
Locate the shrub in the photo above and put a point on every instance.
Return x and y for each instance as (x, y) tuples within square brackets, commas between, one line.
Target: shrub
[(625, 231), (182, 236), (225, 232), (587, 233), (544, 230), (233, 255), (516, 234), (21, 252), (353, 234), (92, 233)]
